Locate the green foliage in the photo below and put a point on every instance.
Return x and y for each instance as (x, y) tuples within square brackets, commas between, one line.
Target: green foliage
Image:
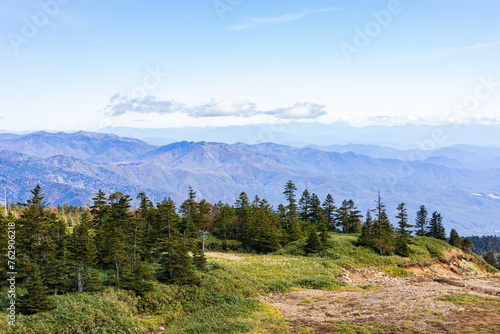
[(319, 282), (454, 239), (137, 250), (436, 228), (313, 244), (199, 259), (401, 247), (489, 257), (348, 217), (396, 271), (466, 299), (220, 318), (37, 297), (109, 311), (421, 222)]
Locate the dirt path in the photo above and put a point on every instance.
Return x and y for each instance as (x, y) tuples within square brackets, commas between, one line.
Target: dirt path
[(400, 305)]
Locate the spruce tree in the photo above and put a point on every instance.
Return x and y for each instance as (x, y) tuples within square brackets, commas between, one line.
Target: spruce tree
[(354, 215), (37, 297), (291, 208), (305, 205), (313, 243), (323, 229), (366, 238), (329, 210), (401, 247), (342, 216), (382, 230), (199, 259), (292, 224), (315, 209), (244, 214), (176, 266), (82, 253), (489, 257), (421, 222), (466, 244), (454, 239), (436, 229)]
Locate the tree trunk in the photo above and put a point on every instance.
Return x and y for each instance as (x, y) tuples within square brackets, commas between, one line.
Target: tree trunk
[(79, 278), (117, 269)]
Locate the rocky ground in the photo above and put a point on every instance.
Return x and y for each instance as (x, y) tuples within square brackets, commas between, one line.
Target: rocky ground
[(399, 305)]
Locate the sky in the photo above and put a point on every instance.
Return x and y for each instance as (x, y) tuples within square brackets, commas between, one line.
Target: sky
[(68, 65)]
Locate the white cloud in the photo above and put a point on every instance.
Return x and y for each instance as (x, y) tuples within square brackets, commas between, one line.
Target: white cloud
[(482, 45), (299, 111), (218, 108), (122, 104), (268, 20)]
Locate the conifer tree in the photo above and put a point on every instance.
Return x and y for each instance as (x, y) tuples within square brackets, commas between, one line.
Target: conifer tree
[(315, 209), (243, 212), (354, 217), (329, 210), (191, 216), (147, 231), (138, 279), (323, 229), (436, 229), (454, 239), (421, 222), (120, 226), (292, 224), (37, 297), (313, 244), (382, 231), (466, 244), (291, 208), (401, 247), (305, 205), (489, 257), (177, 266), (38, 243), (100, 207), (199, 259), (366, 238), (82, 253)]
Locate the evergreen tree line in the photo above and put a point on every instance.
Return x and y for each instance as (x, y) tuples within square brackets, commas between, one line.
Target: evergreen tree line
[(488, 247), (484, 244), (112, 244)]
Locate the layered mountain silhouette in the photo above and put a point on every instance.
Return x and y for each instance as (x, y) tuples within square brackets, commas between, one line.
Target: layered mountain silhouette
[(461, 182)]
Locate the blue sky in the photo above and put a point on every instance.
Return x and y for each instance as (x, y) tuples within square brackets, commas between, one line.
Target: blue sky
[(162, 63)]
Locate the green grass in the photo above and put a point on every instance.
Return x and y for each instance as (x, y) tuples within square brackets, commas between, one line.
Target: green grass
[(396, 272), (368, 328), (466, 299), (224, 302)]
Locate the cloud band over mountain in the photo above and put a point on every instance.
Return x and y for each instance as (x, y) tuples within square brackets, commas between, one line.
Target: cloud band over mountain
[(122, 104)]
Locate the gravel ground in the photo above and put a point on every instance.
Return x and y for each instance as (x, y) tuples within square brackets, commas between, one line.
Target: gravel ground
[(408, 303)]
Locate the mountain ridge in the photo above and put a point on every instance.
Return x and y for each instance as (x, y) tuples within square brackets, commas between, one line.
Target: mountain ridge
[(220, 171)]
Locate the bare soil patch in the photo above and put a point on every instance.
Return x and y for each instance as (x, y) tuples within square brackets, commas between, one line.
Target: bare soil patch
[(402, 305)]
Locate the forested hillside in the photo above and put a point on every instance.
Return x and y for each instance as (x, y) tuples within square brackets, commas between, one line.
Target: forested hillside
[(66, 250)]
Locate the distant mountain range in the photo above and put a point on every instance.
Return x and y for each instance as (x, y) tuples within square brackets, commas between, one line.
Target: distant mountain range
[(407, 136), (461, 182)]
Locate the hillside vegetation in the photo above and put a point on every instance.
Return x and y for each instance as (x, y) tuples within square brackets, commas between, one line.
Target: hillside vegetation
[(200, 267), (225, 301)]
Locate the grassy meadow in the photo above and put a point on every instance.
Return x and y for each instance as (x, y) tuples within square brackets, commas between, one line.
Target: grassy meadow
[(225, 301)]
